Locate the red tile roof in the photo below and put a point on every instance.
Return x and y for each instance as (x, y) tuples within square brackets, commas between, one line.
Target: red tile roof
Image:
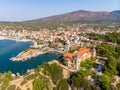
[(83, 51), (69, 55)]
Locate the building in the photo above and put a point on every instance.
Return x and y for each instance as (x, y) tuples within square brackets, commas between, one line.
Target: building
[(73, 60)]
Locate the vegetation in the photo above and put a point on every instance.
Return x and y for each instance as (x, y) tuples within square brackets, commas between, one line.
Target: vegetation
[(118, 86), (18, 88), (54, 71), (113, 54), (41, 84), (104, 82), (32, 76), (112, 65), (84, 72), (52, 74), (88, 64), (23, 82), (110, 37), (80, 82), (62, 85), (6, 79), (12, 87), (71, 50)]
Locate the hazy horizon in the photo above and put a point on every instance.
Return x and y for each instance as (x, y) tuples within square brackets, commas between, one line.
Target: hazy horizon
[(22, 10)]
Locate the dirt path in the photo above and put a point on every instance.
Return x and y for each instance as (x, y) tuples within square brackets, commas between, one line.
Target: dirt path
[(17, 83)]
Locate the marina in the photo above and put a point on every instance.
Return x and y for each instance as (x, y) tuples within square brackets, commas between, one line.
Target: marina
[(11, 48)]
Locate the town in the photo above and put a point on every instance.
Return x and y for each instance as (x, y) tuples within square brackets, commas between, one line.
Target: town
[(78, 44), (60, 45)]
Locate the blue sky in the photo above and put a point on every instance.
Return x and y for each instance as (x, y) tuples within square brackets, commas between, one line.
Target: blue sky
[(21, 10)]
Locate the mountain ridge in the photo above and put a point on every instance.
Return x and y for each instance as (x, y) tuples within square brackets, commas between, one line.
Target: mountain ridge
[(81, 16)]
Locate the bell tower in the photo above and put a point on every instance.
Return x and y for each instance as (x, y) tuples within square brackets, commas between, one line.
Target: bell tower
[(94, 52)]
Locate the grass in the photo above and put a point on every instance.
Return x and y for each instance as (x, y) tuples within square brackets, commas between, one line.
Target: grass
[(23, 82), (18, 88), (1, 76), (1, 80), (32, 76), (11, 87)]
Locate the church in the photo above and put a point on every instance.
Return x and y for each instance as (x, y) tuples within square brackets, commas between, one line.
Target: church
[(72, 60)]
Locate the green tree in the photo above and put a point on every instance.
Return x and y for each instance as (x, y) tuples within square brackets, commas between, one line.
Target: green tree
[(54, 71), (36, 84), (81, 82), (118, 86), (41, 84), (110, 68), (62, 85), (104, 82), (84, 73), (88, 64)]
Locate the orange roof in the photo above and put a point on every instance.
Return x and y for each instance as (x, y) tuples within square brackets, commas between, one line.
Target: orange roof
[(69, 55), (82, 51)]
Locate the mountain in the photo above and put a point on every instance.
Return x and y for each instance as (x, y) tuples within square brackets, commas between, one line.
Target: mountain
[(82, 16)]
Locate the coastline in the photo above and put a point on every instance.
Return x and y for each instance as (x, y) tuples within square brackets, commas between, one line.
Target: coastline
[(26, 54), (17, 40), (33, 51)]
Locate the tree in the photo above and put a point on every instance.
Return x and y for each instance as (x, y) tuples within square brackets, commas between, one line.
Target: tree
[(62, 85), (104, 82), (84, 73), (54, 71), (81, 82), (110, 68), (118, 86), (88, 64), (41, 84), (9, 75), (36, 84), (113, 54)]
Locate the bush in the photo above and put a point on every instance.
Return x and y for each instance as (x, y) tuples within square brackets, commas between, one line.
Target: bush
[(41, 84), (54, 71), (118, 86), (12, 87), (104, 82), (62, 85), (88, 64), (80, 82)]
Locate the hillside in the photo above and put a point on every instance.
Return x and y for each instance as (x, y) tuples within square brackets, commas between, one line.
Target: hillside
[(81, 16), (42, 78)]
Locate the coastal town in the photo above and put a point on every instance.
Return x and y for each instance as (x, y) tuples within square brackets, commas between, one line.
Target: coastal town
[(78, 45), (60, 45), (62, 39)]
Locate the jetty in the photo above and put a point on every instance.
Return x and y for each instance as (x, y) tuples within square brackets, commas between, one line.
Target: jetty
[(34, 52), (26, 55)]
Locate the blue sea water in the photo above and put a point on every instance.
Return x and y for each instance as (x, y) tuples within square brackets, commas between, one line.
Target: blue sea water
[(10, 48)]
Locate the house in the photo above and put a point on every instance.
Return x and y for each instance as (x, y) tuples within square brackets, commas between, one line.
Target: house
[(73, 60), (68, 59)]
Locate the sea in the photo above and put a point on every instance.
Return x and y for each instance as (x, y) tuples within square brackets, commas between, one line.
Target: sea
[(11, 48)]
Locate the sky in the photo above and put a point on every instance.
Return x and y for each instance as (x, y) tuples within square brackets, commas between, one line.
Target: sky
[(22, 10)]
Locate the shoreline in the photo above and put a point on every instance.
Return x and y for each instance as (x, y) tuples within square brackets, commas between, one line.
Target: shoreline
[(22, 56), (33, 51), (17, 40), (26, 55)]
